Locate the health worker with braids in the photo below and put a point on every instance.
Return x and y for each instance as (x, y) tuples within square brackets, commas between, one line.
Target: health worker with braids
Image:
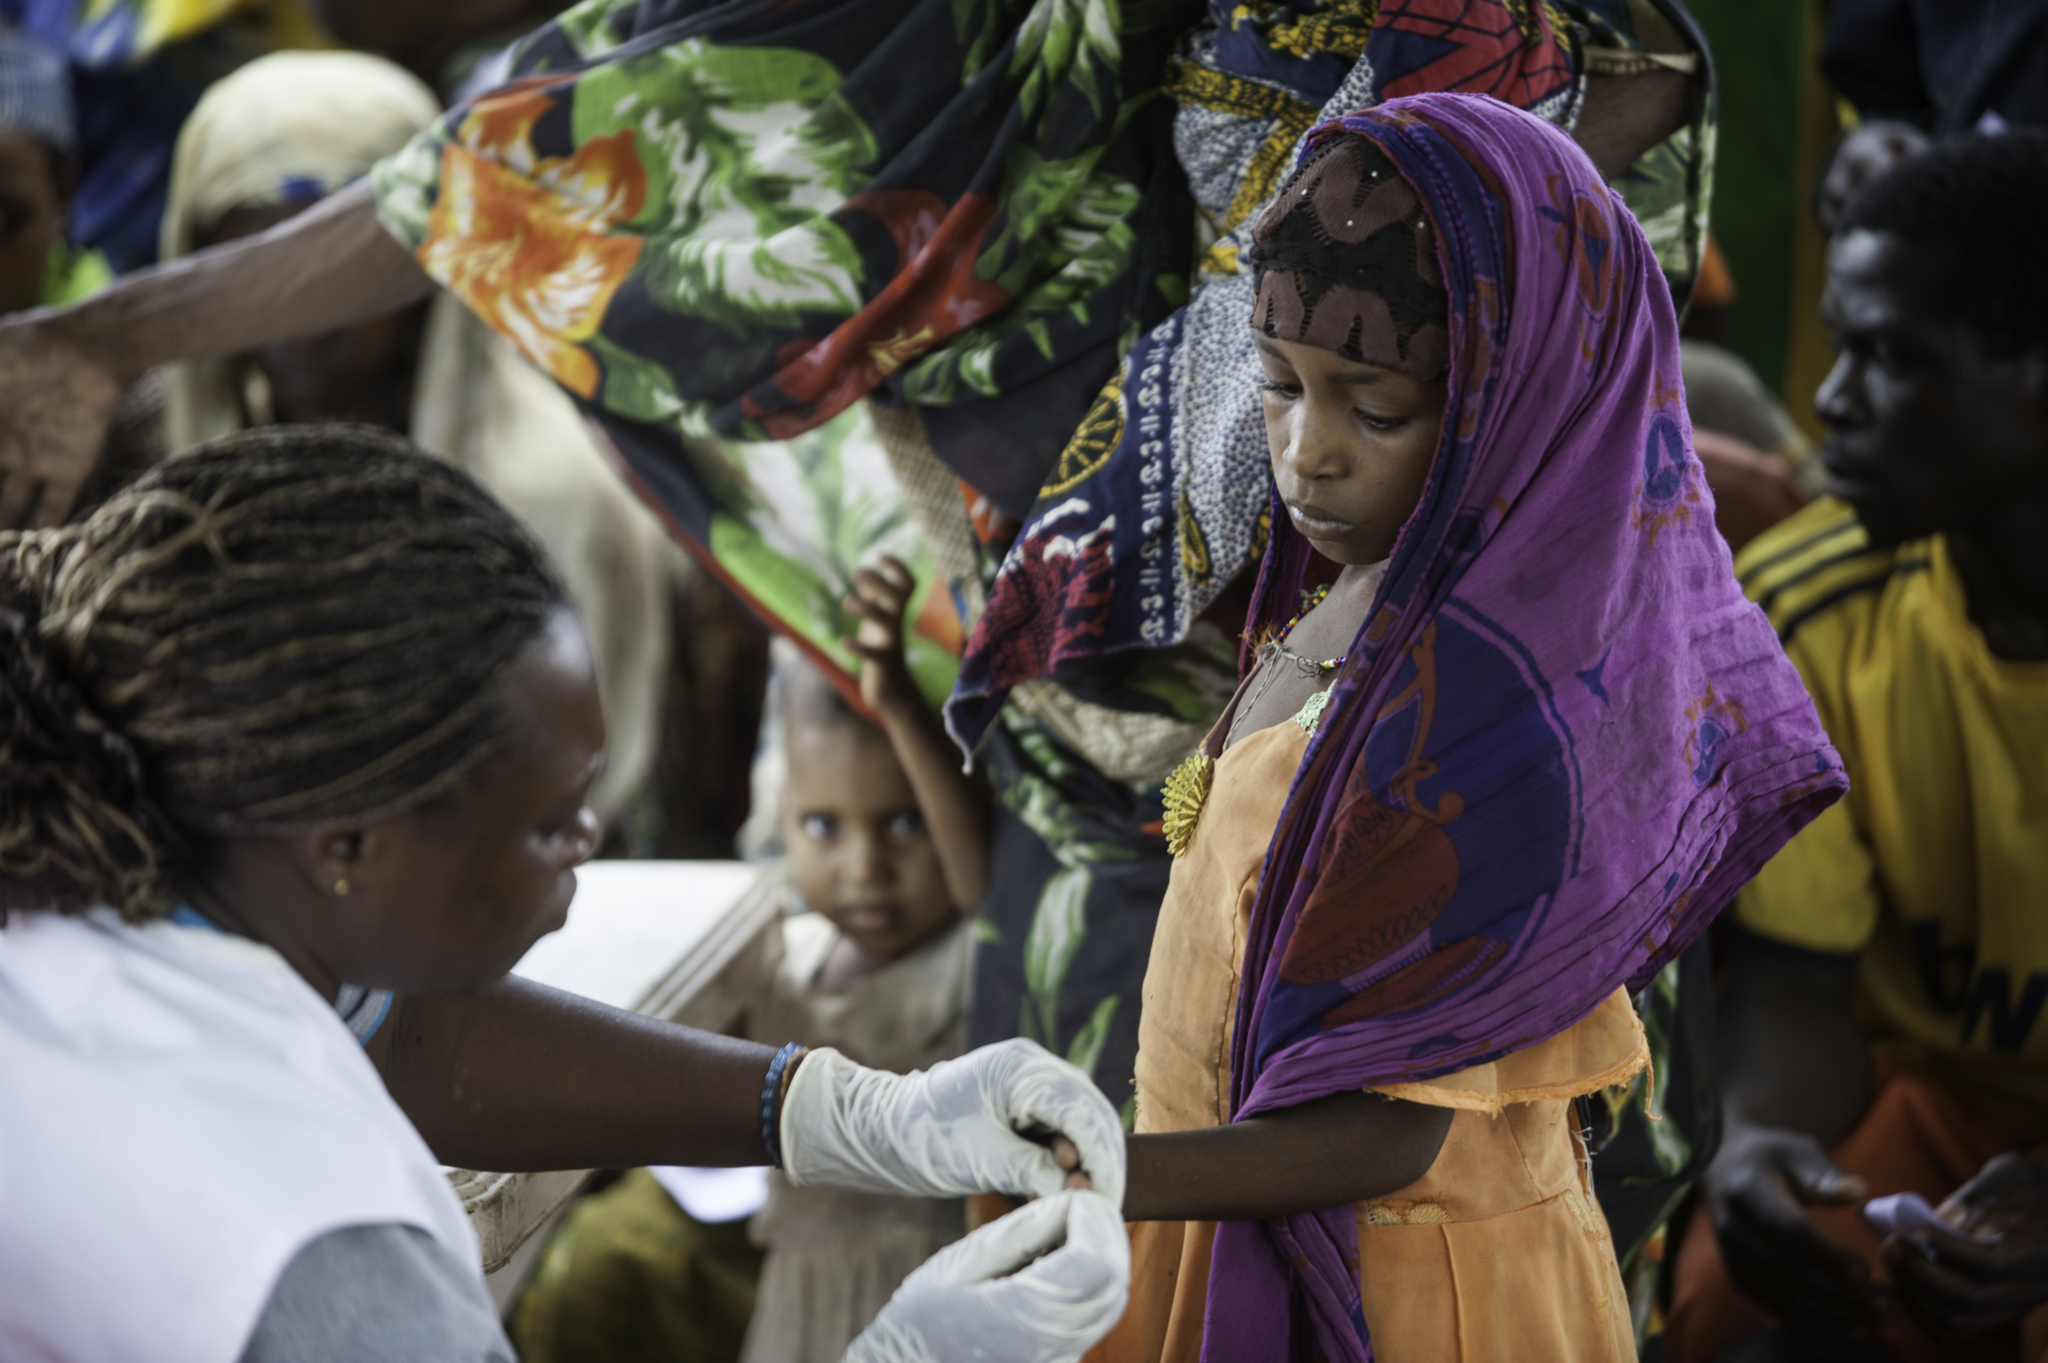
[(295, 739), (1507, 739)]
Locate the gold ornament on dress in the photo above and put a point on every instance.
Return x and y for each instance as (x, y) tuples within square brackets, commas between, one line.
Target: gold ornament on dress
[(1186, 791)]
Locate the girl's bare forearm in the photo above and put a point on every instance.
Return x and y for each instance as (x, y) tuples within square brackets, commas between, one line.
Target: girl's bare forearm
[(1329, 1153), (328, 267)]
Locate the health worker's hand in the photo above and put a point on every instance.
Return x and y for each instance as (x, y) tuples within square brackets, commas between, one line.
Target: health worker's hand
[(1757, 1192), (1957, 1287), (952, 1130), (991, 1297)]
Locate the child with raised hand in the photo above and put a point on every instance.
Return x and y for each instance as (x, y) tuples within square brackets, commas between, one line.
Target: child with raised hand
[(954, 803), (886, 844)]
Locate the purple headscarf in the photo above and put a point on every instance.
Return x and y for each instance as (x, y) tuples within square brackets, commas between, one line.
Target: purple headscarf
[(1563, 738)]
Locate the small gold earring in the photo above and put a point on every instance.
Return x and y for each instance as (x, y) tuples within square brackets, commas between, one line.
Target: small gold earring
[(341, 888)]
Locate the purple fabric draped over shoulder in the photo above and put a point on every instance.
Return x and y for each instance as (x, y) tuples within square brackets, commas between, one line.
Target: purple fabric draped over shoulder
[(1563, 738)]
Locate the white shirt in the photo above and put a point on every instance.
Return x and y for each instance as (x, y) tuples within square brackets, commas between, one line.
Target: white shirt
[(179, 1114)]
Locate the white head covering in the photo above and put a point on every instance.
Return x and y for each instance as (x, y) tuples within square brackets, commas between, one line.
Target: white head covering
[(292, 127), (288, 128)]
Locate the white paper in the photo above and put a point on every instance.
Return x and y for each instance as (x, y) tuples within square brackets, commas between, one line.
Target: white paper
[(715, 1195)]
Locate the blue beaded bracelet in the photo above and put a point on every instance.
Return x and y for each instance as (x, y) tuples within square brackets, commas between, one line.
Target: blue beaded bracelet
[(770, 1088)]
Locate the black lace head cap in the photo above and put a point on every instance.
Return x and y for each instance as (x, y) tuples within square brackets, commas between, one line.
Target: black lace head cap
[(1345, 260)]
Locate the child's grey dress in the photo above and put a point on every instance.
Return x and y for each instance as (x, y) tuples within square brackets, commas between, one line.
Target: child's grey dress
[(835, 1257)]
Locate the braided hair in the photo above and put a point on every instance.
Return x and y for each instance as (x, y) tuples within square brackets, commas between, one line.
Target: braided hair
[(276, 630)]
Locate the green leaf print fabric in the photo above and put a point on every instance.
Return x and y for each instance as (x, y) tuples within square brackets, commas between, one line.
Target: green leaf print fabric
[(721, 226), (732, 230)]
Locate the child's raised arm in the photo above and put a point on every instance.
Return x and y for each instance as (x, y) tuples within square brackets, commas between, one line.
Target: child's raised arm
[(955, 804)]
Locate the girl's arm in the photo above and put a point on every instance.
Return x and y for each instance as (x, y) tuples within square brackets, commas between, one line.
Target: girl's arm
[(1336, 1150), (955, 805)]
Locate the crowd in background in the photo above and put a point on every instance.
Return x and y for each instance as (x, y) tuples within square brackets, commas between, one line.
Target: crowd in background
[(891, 489)]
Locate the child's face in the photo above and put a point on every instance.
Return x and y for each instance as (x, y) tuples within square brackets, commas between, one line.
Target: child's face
[(31, 219), (1351, 444), (857, 843)]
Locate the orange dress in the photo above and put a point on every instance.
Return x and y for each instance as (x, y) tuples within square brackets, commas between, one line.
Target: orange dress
[(1498, 1251)]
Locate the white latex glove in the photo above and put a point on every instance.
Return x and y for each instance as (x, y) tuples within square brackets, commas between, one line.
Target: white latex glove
[(960, 1306), (951, 1130)]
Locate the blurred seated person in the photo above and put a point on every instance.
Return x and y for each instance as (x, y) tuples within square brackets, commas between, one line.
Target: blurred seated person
[(274, 138), (1886, 973), (39, 267), (38, 144), (1759, 464)]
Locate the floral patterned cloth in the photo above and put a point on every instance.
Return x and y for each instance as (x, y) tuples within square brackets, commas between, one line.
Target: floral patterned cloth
[(1136, 610), (720, 225)]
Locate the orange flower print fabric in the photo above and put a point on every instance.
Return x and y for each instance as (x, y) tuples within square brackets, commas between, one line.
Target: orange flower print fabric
[(733, 223), (527, 241)]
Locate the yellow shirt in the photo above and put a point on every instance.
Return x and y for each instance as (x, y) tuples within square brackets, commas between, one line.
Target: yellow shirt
[(1935, 868)]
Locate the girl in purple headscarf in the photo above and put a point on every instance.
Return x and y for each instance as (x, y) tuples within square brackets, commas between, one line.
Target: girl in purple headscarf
[(1509, 736)]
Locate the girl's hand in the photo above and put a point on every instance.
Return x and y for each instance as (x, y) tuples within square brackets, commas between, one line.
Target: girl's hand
[(954, 805), (880, 596)]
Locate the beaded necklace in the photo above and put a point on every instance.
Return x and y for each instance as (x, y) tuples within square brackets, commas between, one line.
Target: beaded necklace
[(1275, 648), (1187, 789)]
